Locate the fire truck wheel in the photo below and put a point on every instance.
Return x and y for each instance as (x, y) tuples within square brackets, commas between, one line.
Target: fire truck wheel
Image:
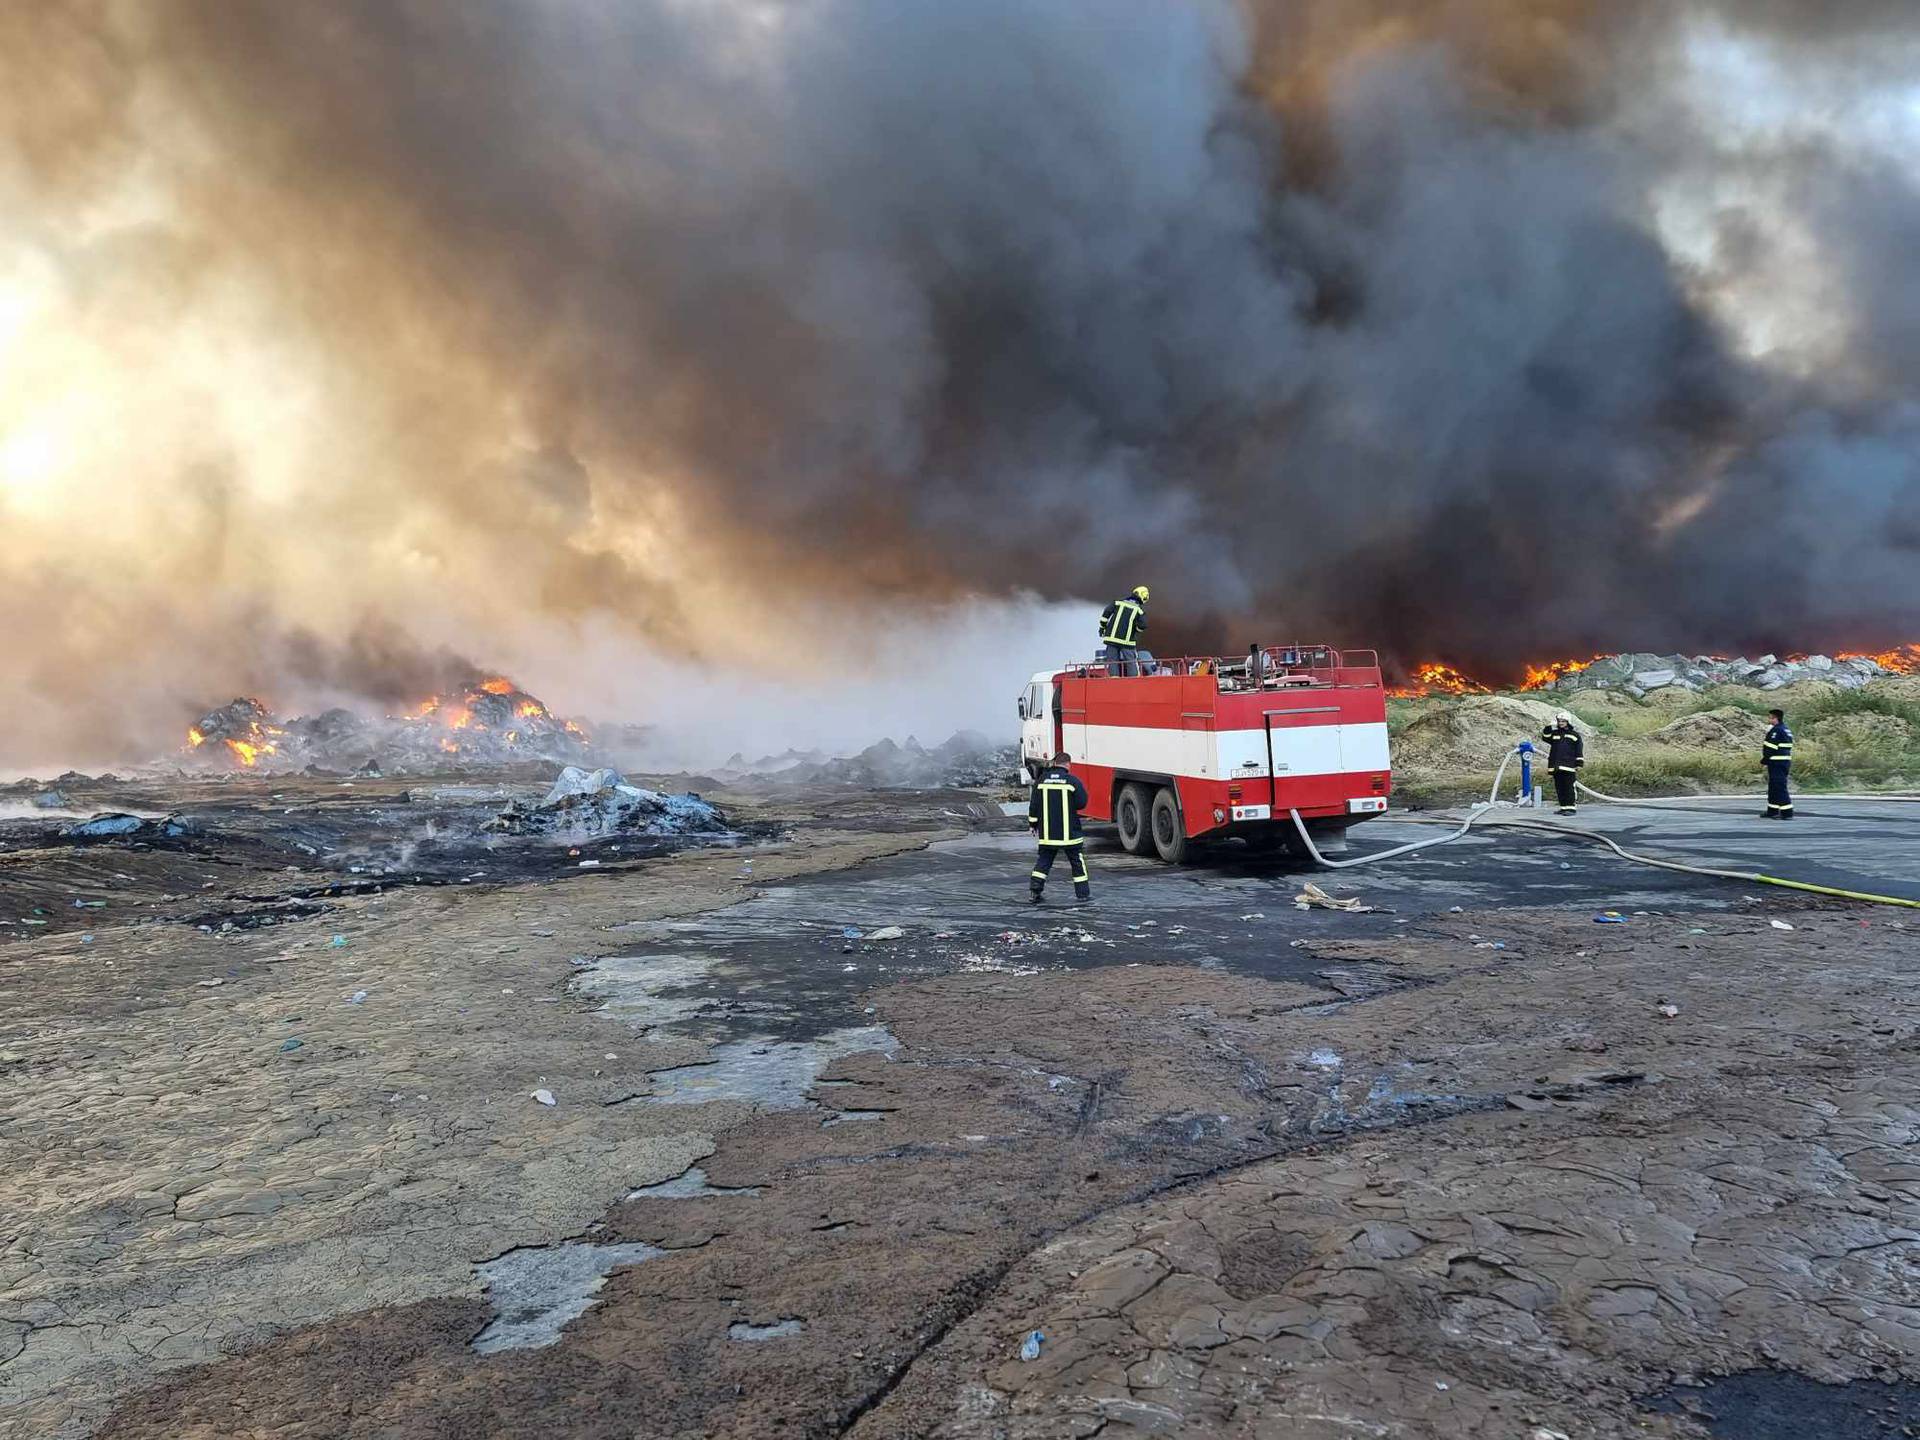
[(1132, 814), (1169, 830)]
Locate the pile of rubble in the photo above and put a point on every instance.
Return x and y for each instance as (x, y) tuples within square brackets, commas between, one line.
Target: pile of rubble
[(490, 724), (1641, 674), (591, 805), (966, 760)]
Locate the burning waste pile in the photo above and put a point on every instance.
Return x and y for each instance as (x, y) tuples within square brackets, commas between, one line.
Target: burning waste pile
[(491, 723), (586, 805), (1639, 674)]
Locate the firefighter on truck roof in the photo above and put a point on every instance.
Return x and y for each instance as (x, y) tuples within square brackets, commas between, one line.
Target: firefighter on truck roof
[(1123, 625), (1565, 755), (1054, 815)]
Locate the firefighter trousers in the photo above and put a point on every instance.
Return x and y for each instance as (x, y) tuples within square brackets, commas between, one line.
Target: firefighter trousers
[(1122, 659), (1076, 854), (1779, 801), (1563, 788)]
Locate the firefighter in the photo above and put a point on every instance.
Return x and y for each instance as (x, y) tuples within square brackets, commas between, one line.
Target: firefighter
[(1565, 755), (1776, 753), (1054, 813), (1122, 625)]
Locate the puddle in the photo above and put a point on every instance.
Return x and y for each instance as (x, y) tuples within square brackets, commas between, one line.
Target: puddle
[(534, 1292), (1780, 1405), (740, 1330), (687, 1185), (771, 1074), (634, 987)]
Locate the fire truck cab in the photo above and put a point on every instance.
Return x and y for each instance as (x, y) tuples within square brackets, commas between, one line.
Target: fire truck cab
[(1210, 747)]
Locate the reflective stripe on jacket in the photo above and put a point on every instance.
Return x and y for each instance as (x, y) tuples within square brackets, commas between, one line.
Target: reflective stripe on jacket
[(1123, 622), (1777, 748), (1054, 809), (1565, 749)]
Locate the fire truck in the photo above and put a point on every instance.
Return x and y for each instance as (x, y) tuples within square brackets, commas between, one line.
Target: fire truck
[(1209, 748)]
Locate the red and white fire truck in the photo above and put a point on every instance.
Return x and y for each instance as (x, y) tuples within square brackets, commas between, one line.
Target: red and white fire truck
[(1211, 747)]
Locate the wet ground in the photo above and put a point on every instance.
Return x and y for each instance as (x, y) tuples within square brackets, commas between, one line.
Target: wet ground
[(1466, 1164)]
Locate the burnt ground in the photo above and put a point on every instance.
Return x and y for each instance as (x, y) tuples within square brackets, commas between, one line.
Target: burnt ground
[(1446, 1168)]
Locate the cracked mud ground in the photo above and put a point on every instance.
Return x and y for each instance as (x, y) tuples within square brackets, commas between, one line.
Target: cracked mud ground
[(1250, 1171)]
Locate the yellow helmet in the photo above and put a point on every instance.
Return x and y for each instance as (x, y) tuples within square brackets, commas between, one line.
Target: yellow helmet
[(1141, 591)]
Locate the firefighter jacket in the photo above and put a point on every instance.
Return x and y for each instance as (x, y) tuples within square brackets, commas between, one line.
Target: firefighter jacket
[(1124, 622), (1054, 811), (1565, 750), (1777, 748)]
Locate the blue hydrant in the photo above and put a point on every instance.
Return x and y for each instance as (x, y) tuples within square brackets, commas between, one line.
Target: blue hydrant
[(1526, 772)]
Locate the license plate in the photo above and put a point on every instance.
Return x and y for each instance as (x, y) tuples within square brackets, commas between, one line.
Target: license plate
[(1252, 812), (1369, 806)]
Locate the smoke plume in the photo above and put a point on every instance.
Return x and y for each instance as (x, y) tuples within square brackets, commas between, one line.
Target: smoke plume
[(340, 340)]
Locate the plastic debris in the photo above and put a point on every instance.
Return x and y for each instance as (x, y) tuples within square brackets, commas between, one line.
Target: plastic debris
[(1610, 917), (1256, 915), (1030, 1347), (887, 932), (291, 1043), (1453, 910), (89, 904), (1311, 897), (850, 932), (1669, 1010), (591, 864), (209, 984), (1780, 925), (338, 942), (359, 997), (1541, 1432), (545, 1097)]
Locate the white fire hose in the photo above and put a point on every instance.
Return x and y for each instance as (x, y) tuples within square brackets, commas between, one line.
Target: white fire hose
[(1481, 811)]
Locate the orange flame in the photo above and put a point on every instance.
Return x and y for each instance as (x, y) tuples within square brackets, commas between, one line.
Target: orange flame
[(194, 737), (530, 709), (1434, 678), (1901, 660), (499, 685), (1547, 672)]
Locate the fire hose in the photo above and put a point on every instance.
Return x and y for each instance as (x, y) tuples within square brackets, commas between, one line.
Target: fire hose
[(1482, 810)]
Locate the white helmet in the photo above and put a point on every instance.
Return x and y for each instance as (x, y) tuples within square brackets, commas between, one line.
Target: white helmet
[(1563, 717)]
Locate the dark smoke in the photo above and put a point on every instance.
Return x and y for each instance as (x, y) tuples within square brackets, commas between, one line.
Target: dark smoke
[(1335, 318)]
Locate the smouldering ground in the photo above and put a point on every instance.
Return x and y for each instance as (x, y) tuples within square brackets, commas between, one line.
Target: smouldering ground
[(1251, 1171)]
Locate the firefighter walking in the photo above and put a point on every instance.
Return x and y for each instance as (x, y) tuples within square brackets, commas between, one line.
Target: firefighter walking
[(1123, 625), (1566, 753), (1054, 815), (1776, 753)]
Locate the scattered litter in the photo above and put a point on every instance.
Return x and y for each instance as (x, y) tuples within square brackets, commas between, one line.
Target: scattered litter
[(1541, 1432), (1697, 930), (591, 864), (1256, 915), (359, 997), (1440, 1385), (1669, 1010), (545, 1097), (291, 1043), (1176, 930), (741, 1330), (210, 984), (1610, 917), (89, 904), (850, 932), (338, 942), (1780, 925), (1311, 896), (1030, 1347), (887, 932), (1565, 866), (1453, 910)]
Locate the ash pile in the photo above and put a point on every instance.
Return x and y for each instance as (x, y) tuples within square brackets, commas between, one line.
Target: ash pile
[(592, 805), (490, 724), (1642, 674), (967, 760)]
